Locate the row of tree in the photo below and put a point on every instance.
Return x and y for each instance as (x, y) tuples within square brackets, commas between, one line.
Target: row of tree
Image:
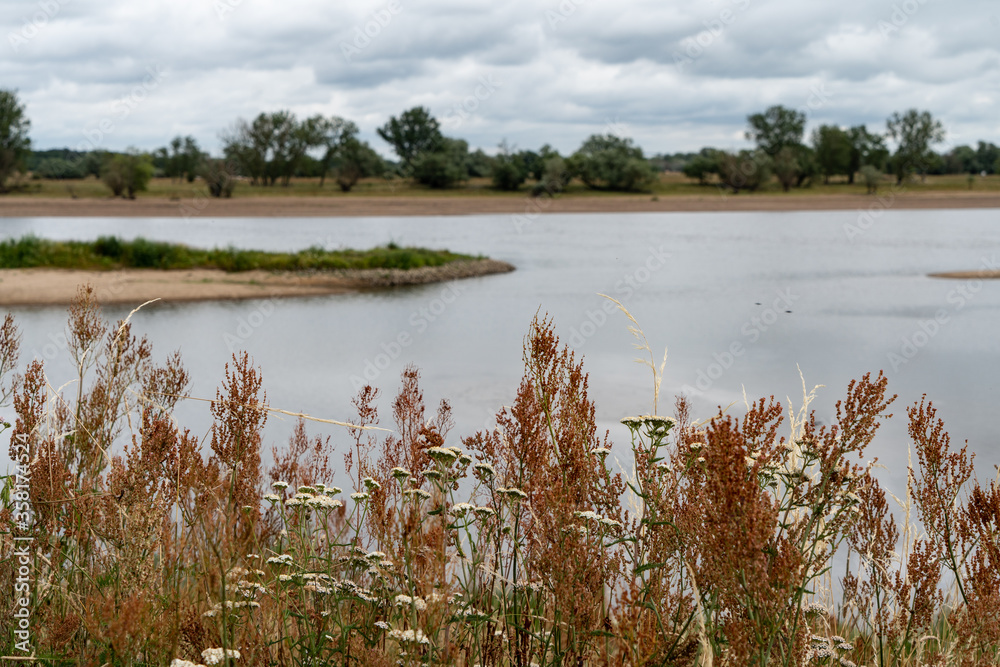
[(274, 147)]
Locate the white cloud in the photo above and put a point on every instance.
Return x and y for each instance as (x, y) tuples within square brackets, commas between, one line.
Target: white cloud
[(565, 68)]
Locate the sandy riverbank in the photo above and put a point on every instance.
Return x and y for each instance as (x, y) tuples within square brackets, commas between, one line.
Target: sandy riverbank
[(135, 286), (356, 206)]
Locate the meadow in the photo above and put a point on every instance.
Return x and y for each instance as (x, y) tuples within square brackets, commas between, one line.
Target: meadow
[(667, 184), (529, 544), (110, 252)]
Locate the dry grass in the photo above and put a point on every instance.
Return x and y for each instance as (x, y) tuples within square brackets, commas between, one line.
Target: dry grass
[(517, 548)]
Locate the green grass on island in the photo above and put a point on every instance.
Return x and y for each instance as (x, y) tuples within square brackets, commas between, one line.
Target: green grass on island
[(110, 253)]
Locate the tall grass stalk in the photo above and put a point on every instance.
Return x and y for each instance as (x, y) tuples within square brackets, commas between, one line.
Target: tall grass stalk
[(517, 545)]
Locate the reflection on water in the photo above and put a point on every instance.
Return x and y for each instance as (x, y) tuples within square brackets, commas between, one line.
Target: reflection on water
[(744, 300)]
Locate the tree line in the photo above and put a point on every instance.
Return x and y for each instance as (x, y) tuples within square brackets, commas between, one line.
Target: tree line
[(274, 147)]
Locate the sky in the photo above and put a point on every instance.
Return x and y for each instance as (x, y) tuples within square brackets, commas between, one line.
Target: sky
[(674, 76)]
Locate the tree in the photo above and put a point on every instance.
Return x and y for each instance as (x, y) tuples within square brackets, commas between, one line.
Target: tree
[(127, 173), (871, 175), (15, 145), (610, 162), (333, 134), (867, 148), (961, 160), (776, 128), (273, 146), (702, 165), (218, 177), (987, 156), (914, 132), (355, 160), (833, 151), (443, 167), (183, 160), (414, 133), (786, 167), (747, 170), (509, 169)]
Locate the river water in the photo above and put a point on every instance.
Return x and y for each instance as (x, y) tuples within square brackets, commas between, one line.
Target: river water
[(744, 301)]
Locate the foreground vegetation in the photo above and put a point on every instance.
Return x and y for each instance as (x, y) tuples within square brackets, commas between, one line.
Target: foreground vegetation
[(523, 546), (109, 252)]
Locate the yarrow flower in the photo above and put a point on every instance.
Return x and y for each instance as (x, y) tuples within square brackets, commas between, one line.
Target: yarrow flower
[(177, 662), (512, 493), (600, 451), (324, 503), (406, 601), (283, 559), (417, 493), (332, 490), (382, 625), (484, 469), (371, 483), (459, 509), (359, 496), (272, 497), (213, 656), (410, 637), (400, 473), (307, 489), (279, 485), (443, 455)]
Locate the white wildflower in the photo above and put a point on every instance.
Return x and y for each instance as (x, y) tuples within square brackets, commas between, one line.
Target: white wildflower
[(358, 497), (382, 625), (410, 637), (459, 509), (443, 455), (272, 497), (279, 485), (417, 493), (600, 451), (407, 601), (484, 469), (307, 489), (371, 483), (213, 656), (283, 559), (512, 493), (400, 473), (484, 512), (333, 490), (177, 662)]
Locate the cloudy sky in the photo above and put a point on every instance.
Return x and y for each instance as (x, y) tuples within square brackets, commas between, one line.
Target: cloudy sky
[(674, 75)]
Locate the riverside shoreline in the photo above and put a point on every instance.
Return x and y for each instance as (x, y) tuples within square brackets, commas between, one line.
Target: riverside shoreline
[(37, 287)]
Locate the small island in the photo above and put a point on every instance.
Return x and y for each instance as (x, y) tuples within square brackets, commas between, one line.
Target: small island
[(36, 271)]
